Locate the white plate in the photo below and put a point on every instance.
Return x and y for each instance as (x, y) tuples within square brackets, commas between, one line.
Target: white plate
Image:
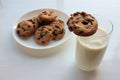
[(30, 43)]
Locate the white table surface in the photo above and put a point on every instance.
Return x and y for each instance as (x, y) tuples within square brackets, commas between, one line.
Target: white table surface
[(16, 65)]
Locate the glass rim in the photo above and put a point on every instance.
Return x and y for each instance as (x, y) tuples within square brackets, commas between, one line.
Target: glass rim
[(108, 33)]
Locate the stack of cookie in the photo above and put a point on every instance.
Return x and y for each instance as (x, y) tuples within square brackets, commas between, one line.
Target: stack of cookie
[(45, 27)]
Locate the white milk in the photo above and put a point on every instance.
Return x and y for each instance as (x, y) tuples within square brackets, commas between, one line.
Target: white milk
[(90, 50)]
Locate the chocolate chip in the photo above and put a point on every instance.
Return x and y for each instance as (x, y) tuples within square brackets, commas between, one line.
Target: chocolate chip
[(80, 32), (68, 21), (41, 36), (70, 28), (61, 32), (38, 38), (46, 32), (23, 35), (30, 20), (18, 26), (54, 34), (71, 17), (91, 23), (55, 31), (61, 21), (83, 14), (75, 14), (23, 29), (42, 29), (90, 20), (28, 26), (43, 41), (34, 26), (76, 22), (85, 22), (33, 22), (57, 26), (44, 12), (50, 29), (18, 32), (72, 22)]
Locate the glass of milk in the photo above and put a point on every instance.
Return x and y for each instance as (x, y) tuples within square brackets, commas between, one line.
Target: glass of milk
[(90, 50)]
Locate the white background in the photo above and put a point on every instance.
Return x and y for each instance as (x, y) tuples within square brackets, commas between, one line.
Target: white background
[(16, 65)]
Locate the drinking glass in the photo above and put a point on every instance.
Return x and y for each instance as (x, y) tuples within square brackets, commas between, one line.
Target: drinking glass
[(90, 50)]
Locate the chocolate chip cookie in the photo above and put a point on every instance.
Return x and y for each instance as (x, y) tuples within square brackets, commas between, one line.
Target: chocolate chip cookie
[(82, 24), (25, 28), (43, 35), (47, 16)]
